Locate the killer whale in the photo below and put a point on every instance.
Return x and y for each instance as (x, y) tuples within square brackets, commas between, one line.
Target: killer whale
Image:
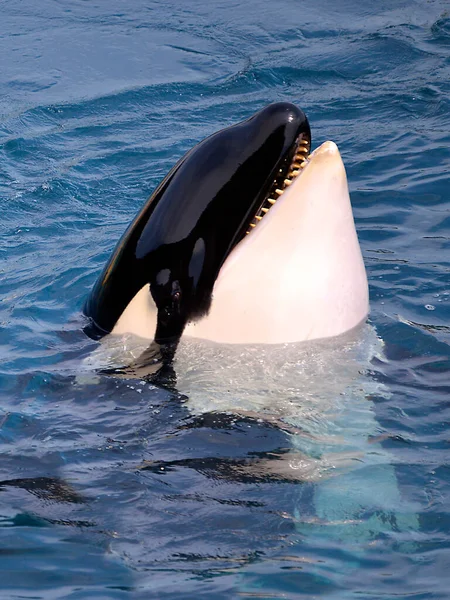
[(248, 239), (298, 275)]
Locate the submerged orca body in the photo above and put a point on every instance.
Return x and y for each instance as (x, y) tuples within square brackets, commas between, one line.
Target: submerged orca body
[(248, 239), (196, 216)]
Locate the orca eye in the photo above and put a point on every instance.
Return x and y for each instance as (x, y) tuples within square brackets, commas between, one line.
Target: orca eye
[(176, 291)]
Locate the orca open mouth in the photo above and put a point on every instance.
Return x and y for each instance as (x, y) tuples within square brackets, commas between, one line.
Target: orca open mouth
[(284, 179)]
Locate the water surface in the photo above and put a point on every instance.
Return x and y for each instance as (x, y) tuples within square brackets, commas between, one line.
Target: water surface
[(119, 489)]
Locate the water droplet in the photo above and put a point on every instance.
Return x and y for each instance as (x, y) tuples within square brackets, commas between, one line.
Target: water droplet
[(429, 307)]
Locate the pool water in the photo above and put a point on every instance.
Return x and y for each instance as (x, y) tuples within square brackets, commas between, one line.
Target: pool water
[(334, 481)]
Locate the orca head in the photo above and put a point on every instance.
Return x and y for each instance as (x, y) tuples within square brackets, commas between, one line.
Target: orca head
[(178, 242)]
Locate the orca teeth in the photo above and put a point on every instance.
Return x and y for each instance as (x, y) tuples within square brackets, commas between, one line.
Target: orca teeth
[(299, 162)]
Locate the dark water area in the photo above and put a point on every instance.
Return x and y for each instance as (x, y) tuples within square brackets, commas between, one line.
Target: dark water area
[(118, 489)]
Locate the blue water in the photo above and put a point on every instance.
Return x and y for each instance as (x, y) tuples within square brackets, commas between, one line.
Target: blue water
[(115, 490)]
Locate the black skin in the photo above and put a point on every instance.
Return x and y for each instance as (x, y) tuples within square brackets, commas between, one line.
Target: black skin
[(196, 216)]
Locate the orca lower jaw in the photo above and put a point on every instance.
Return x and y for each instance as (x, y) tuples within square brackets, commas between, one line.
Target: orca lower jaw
[(286, 177), (299, 275)]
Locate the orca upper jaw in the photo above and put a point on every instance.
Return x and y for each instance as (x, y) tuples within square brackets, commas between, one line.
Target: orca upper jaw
[(299, 275), (172, 252)]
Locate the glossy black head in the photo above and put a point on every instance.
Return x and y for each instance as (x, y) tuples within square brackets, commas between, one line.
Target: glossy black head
[(201, 210)]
